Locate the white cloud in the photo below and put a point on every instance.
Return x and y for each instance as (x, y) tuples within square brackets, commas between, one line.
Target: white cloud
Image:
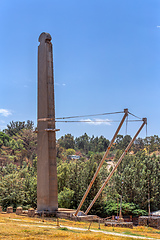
[(60, 84), (5, 112), (158, 26), (97, 121)]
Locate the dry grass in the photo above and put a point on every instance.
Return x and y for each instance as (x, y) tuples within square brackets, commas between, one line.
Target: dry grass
[(35, 228)]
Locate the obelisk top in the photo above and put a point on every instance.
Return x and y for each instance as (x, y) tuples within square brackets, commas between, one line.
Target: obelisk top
[(44, 36)]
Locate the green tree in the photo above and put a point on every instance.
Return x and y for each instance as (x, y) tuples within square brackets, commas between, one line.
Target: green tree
[(11, 188), (15, 127), (66, 141), (63, 175), (135, 172), (138, 145), (65, 198), (18, 186), (4, 138), (82, 143), (122, 142), (1, 142), (29, 141), (126, 141), (118, 141)]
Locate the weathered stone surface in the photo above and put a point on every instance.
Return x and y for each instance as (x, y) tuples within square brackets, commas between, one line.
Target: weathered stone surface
[(31, 212), (69, 214), (154, 222), (47, 191), (9, 209), (87, 218), (119, 224), (19, 210), (149, 221), (143, 221)]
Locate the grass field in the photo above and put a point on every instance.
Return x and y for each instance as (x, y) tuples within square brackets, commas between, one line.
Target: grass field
[(13, 226)]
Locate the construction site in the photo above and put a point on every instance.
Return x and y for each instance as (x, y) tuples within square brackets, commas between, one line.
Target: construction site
[(47, 183), (79, 120)]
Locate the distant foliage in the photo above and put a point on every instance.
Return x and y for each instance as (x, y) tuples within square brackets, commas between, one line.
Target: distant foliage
[(86, 144), (140, 175), (65, 198), (112, 206), (4, 138), (18, 186), (66, 141), (122, 141), (15, 127), (139, 171)]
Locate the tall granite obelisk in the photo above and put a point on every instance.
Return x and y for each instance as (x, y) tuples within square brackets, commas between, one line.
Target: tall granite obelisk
[(47, 192)]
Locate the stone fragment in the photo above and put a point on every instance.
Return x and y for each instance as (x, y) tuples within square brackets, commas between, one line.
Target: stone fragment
[(9, 209), (143, 221), (119, 224), (31, 212), (19, 210), (150, 221)]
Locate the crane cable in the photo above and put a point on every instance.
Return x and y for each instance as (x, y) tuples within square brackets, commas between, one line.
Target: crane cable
[(90, 115), (94, 121), (60, 119)]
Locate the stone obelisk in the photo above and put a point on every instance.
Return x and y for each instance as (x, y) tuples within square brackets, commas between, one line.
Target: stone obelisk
[(47, 192)]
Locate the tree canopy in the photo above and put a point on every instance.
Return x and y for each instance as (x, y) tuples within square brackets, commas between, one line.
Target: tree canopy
[(139, 171)]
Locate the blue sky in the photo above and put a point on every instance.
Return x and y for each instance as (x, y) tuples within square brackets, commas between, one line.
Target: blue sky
[(106, 58)]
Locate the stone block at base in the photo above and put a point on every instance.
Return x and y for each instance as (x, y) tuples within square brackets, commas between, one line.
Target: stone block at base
[(149, 221), (9, 209), (67, 213), (87, 218), (119, 224), (19, 210), (143, 221), (31, 212)]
